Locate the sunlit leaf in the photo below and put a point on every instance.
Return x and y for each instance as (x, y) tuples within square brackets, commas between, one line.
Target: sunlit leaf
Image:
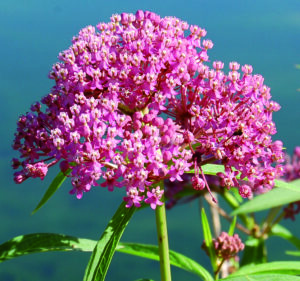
[(103, 252), (176, 259), (210, 169), (208, 239), (48, 242), (232, 227), (281, 231), (278, 267), (263, 277), (43, 242), (293, 253), (282, 194)]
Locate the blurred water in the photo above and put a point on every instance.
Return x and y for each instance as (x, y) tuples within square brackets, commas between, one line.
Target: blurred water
[(32, 33)]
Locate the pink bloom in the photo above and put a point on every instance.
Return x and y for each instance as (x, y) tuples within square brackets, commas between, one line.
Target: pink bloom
[(154, 197), (133, 99)]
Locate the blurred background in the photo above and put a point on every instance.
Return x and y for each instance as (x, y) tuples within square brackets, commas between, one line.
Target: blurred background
[(265, 34)]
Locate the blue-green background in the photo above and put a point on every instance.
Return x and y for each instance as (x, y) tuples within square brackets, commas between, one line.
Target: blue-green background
[(263, 33)]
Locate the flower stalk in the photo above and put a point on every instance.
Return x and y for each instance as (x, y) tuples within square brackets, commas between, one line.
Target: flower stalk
[(163, 244)]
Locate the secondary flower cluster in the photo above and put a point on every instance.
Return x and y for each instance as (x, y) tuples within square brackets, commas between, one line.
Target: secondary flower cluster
[(227, 246), (134, 104)]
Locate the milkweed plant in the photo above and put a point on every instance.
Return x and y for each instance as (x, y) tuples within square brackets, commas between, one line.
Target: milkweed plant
[(137, 105)]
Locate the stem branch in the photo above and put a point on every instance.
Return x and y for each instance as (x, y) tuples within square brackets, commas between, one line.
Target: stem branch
[(226, 216)]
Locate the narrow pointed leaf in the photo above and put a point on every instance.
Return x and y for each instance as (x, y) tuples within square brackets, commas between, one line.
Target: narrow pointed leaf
[(103, 252), (263, 277), (278, 267), (282, 194), (54, 186), (279, 230), (176, 259), (232, 227), (43, 242), (208, 239)]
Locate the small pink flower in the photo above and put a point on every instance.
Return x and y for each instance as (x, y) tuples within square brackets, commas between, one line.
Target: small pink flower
[(38, 170), (245, 191), (153, 197)]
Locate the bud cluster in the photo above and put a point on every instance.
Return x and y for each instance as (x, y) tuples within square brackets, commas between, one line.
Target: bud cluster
[(226, 246)]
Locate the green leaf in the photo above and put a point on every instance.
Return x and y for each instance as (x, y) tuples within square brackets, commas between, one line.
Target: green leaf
[(210, 169), (208, 240), (103, 252), (282, 194), (279, 230), (54, 186), (254, 252), (47, 242), (144, 279), (293, 253), (296, 182), (263, 277), (232, 227), (278, 267), (176, 259), (43, 242)]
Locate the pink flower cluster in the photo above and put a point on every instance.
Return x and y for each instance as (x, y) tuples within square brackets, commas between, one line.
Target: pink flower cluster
[(227, 246), (134, 103)]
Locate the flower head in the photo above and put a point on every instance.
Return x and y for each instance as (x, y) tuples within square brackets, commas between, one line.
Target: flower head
[(133, 97)]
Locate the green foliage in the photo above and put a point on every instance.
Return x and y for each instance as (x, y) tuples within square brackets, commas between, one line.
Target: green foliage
[(281, 231), (43, 242), (278, 267), (103, 252), (282, 194), (176, 259), (232, 227), (208, 240), (263, 277), (253, 264), (293, 253), (210, 169), (47, 242), (54, 186)]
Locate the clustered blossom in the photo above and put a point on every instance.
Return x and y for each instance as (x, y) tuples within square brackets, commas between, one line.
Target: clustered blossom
[(291, 173), (226, 246), (134, 103)]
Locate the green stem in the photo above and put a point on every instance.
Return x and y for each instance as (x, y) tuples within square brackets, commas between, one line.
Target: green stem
[(269, 220), (163, 245)]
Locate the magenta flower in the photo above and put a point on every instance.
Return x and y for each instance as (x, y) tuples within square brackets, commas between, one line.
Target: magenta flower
[(134, 103), (154, 197)]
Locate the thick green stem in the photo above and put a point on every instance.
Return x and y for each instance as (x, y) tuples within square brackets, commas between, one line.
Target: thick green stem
[(163, 244)]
